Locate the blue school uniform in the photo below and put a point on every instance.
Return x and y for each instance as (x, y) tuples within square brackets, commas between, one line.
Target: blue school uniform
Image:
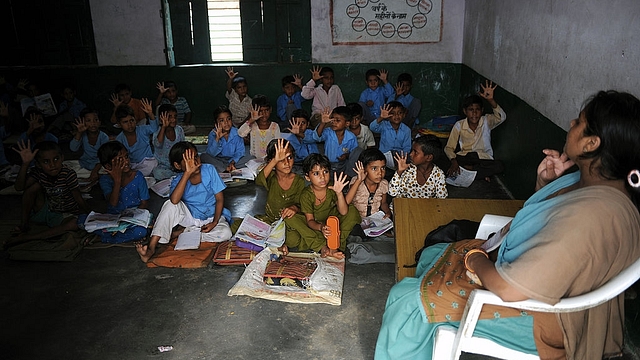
[(200, 199), (141, 149), (390, 139), (332, 148), (283, 102), (229, 149), (304, 146), (378, 96), (89, 158)]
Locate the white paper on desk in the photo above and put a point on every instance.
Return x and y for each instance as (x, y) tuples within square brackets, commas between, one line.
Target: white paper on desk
[(188, 241), (464, 179)]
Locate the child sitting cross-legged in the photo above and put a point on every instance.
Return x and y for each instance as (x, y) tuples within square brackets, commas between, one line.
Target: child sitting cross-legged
[(196, 202), (135, 138), (123, 188), (422, 178), (88, 137), (318, 201), (225, 148), (168, 135), (300, 136)]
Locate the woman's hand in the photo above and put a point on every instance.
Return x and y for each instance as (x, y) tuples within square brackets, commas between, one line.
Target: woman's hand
[(552, 167)]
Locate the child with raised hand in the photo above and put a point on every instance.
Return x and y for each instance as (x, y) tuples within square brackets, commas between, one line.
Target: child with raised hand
[(196, 202), (225, 149), (394, 135), (300, 136), (291, 99), (361, 131), (260, 127), (325, 95), (122, 96), (368, 190), (318, 201), (422, 178), (340, 144), (124, 188), (136, 138), (403, 96), (237, 94), (168, 94), (169, 134), (374, 96), (36, 131), (89, 137)]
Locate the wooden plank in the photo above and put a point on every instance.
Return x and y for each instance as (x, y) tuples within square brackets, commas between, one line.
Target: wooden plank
[(415, 218)]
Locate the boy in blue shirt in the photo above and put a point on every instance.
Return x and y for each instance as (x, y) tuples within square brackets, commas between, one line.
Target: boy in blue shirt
[(225, 148), (301, 138), (394, 135), (403, 96), (374, 96), (136, 139), (340, 144), (88, 137), (292, 98)]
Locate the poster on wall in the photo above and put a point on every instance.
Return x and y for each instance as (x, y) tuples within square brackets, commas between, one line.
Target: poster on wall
[(384, 22)]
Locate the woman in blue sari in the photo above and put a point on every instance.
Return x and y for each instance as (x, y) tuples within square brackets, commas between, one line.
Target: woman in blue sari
[(574, 234)]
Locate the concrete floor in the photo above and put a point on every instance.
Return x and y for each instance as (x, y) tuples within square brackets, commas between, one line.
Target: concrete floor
[(108, 305)]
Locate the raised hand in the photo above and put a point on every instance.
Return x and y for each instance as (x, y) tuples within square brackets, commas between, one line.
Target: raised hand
[(487, 89), (26, 155), (34, 123), (4, 110), (255, 113), (297, 80), (164, 119), (115, 101), (117, 166), (22, 84), (339, 182), (326, 115), (146, 107), (219, 132), (190, 163), (315, 73), (281, 150), (552, 167), (161, 88), (399, 88), (384, 111), (295, 126), (230, 73), (383, 75), (359, 170), (401, 159), (80, 125)]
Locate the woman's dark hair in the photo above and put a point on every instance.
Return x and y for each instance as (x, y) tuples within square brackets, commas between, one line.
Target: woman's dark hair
[(177, 150), (370, 155), (315, 159), (109, 151), (271, 150), (430, 145), (220, 110), (614, 117)]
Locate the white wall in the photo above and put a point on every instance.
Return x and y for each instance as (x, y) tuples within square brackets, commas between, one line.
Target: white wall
[(449, 49), (554, 54), (128, 32)]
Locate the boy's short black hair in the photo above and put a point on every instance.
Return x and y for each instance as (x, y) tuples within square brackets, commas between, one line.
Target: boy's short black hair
[(123, 111), (261, 101), (86, 111), (300, 113), (315, 159), (371, 72), (219, 110), (43, 146), (287, 80), (177, 150), (170, 84), (326, 69), (121, 87), (344, 111), (405, 77), (237, 81), (470, 100), (271, 150), (166, 108), (430, 145), (395, 105), (109, 151), (355, 109), (370, 155)]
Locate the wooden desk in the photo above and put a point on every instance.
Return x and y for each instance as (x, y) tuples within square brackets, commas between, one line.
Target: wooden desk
[(415, 218)]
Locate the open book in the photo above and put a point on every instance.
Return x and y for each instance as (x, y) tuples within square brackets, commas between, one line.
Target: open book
[(114, 222), (260, 233), (249, 172), (43, 102), (376, 225)]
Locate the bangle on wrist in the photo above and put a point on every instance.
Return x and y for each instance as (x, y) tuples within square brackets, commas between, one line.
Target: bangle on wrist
[(471, 252)]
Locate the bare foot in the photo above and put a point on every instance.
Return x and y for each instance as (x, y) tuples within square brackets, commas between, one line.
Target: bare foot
[(325, 251), (284, 249), (144, 251)]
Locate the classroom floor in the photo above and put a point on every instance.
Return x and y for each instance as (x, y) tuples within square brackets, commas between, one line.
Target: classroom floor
[(107, 304)]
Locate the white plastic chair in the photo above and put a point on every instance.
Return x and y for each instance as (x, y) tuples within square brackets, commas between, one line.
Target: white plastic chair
[(449, 343)]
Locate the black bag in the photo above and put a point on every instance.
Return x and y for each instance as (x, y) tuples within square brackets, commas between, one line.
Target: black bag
[(454, 231)]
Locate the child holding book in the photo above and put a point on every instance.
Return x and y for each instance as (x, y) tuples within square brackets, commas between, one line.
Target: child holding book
[(300, 136), (260, 127), (123, 188), (318, 201), (168, 94), (237, 94), (225, 148), (169, 134), (136, 138), (196, 202), (422, 178), (89, 138)]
